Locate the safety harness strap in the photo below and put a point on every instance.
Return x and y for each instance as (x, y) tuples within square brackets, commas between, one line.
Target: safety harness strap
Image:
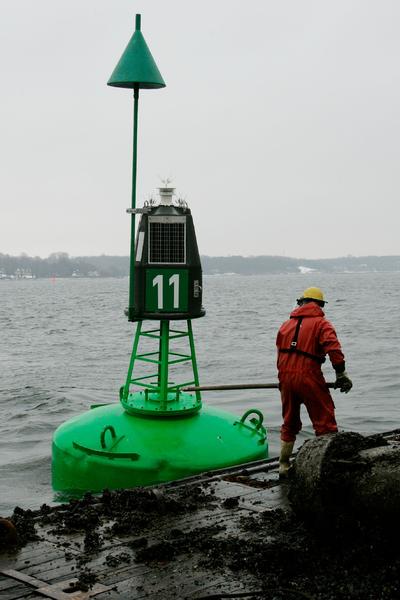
[(293, 345)]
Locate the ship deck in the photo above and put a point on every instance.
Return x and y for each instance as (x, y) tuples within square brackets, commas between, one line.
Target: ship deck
[(223, 534), (163, 554)]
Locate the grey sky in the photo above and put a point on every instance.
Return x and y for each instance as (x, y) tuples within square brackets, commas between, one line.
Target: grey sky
[(279, 124)]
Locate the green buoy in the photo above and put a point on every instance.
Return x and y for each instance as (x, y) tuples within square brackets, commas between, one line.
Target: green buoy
[(156, 432)]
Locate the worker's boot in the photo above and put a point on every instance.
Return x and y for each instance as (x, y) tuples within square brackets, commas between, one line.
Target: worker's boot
[(284, 464)]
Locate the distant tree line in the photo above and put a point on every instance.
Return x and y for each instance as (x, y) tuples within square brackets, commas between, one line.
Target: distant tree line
[(60, 264), (259, 265)]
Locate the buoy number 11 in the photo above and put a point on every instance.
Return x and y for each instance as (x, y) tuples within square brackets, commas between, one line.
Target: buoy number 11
[(172, 281)]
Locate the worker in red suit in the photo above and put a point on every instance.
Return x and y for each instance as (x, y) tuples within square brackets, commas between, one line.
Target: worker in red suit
[(303, 342)]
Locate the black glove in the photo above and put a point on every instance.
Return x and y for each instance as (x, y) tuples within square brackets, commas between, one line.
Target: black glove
[(343, 382)]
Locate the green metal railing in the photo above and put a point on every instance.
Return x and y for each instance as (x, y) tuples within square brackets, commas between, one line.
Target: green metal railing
[(163, 357)]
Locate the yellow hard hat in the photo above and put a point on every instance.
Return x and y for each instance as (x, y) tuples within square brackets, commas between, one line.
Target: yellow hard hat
[(313, 293)]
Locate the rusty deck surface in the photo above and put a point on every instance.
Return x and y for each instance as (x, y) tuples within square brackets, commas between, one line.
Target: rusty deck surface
[(56, 564)]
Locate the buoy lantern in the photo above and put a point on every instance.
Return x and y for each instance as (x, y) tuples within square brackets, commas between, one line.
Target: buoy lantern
[(157, 432)]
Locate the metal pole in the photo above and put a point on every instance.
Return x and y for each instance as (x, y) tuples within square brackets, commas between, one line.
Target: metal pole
[(163, 383), (194, 361), (238, 386), (132, 361), (134, 171)]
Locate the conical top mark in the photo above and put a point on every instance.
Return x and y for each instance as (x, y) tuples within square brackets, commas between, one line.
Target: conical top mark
[(136, 67)]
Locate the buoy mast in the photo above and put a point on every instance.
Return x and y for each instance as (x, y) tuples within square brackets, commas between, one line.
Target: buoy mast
[(136, 69)]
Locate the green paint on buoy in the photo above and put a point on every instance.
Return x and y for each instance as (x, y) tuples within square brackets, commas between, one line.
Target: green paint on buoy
[(108, 447)]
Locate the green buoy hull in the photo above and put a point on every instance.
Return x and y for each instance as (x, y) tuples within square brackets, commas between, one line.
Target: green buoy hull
[(108, 448)]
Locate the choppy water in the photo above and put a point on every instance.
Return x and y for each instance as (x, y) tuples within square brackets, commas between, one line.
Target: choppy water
[(66, 344)]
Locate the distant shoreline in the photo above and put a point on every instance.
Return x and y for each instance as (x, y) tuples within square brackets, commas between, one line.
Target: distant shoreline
[(62, 265)]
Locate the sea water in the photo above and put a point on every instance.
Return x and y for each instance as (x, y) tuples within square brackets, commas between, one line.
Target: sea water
[(65, 344)]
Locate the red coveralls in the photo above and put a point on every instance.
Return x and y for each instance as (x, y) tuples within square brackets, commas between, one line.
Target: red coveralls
[(299, 370)]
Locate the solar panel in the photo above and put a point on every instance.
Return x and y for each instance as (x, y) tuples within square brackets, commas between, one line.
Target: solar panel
[(167, 241)]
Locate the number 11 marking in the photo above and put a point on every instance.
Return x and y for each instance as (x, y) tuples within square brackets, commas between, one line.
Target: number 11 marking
[(159, 282)]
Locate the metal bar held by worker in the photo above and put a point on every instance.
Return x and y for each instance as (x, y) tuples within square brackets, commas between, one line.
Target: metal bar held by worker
[(238, 386)]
